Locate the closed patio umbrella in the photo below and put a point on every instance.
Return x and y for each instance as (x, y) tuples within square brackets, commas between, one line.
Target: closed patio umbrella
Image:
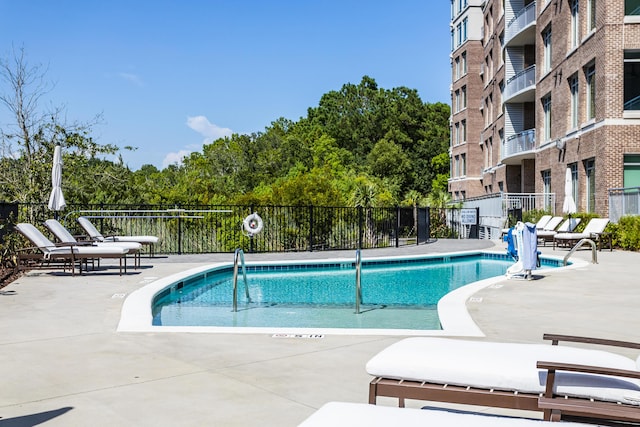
[(56, 199), (569, 205)]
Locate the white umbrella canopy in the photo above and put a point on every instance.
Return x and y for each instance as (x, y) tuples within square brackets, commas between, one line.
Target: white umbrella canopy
[(569, 205), (56, 199)]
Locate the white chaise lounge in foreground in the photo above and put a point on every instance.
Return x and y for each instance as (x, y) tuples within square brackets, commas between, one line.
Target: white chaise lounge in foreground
[(95, 235), (71, 252), (341, 414), (510, 375)]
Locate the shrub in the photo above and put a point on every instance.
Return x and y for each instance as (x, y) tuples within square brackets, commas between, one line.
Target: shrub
[(534, 215), (627, 233)]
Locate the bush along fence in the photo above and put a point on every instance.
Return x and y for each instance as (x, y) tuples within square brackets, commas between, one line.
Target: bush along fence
[(208, 229)]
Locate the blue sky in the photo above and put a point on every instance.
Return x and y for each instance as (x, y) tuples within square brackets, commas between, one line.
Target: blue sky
[(168, 76)]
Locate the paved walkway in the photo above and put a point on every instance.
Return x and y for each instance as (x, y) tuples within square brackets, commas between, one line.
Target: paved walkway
[(62, 363)]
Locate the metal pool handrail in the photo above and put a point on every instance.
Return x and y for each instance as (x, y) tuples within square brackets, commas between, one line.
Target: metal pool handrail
[(239, 254), (358, 284)]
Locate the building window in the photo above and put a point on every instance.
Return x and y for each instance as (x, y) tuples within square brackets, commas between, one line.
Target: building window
[(456, 134), (456, 101), (575, 100), (463, 97), (575, 23), (574, 182), (546, 188), (590, 172), (632, 80), (546, 43), (463, 61), (456, 68), (459, 31), (485, 149), (631, 170), (591, 14), (632, 7), (590, 74), (463, 164), (490, 151), (546, 108), (485, 112), (463, 130), (465, 21)]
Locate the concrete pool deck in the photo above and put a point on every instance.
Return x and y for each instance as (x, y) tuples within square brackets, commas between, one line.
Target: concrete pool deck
[(62, 362)]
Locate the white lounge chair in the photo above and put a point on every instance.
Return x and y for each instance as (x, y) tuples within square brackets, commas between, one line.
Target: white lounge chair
[(543, 221), (506, 374), (95, 235), (567, 226), (540, 225), (342, 414), (593, 230), (71, 252), (64, 236)]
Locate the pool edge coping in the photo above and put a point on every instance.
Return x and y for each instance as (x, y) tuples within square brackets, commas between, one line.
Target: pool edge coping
[(455, 320)]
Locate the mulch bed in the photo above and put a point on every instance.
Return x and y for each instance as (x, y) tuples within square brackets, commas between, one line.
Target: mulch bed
[(8, 275)]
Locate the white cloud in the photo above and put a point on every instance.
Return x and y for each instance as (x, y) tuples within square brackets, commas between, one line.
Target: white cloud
[(175, 158), (204, 127), (130, 77)]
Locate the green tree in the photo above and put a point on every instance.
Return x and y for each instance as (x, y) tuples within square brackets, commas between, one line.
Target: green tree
[(28, 143)]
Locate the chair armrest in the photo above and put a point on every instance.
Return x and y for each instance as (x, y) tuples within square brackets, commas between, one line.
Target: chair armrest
[(587, 369), (555, 339)]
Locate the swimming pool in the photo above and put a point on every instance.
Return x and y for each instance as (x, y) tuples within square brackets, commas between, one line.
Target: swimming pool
[(398, 293)]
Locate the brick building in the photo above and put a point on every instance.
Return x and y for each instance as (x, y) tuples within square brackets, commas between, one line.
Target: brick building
[(548, 86)]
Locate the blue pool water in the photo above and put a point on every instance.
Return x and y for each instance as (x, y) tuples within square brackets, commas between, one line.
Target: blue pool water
[(396, 294)]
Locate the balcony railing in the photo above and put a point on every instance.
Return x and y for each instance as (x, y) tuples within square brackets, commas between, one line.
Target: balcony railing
[(519, 143), (623, 201), (523, 18), (523, 80)]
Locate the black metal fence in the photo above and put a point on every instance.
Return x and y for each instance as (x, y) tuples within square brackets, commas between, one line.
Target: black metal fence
[(207, 229)]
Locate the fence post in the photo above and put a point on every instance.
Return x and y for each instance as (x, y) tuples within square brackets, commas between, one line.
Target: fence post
[(360, 230), (251, 244), (310, 228), (179, 233), (397, 226)]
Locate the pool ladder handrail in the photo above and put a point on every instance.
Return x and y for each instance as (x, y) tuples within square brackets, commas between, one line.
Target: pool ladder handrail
[(358, 282), (239, 255), (594, 251)]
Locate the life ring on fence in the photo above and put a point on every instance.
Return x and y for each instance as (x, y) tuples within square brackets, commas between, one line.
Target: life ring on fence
[(253, 224)]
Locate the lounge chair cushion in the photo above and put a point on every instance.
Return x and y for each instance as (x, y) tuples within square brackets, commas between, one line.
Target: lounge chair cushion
[(64, 236), (134, 239), (49, 248), (337, 414), (96, 235), (504, 366)]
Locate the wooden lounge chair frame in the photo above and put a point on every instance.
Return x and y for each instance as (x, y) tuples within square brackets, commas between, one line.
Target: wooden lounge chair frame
[(558, 408), (554, 407)]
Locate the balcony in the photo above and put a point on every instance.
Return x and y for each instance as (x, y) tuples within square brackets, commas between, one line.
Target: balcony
[(521, 28), (519, 147), (522, 86)]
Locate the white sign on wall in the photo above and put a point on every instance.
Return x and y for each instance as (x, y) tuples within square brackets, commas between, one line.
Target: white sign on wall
[(468, 216)]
